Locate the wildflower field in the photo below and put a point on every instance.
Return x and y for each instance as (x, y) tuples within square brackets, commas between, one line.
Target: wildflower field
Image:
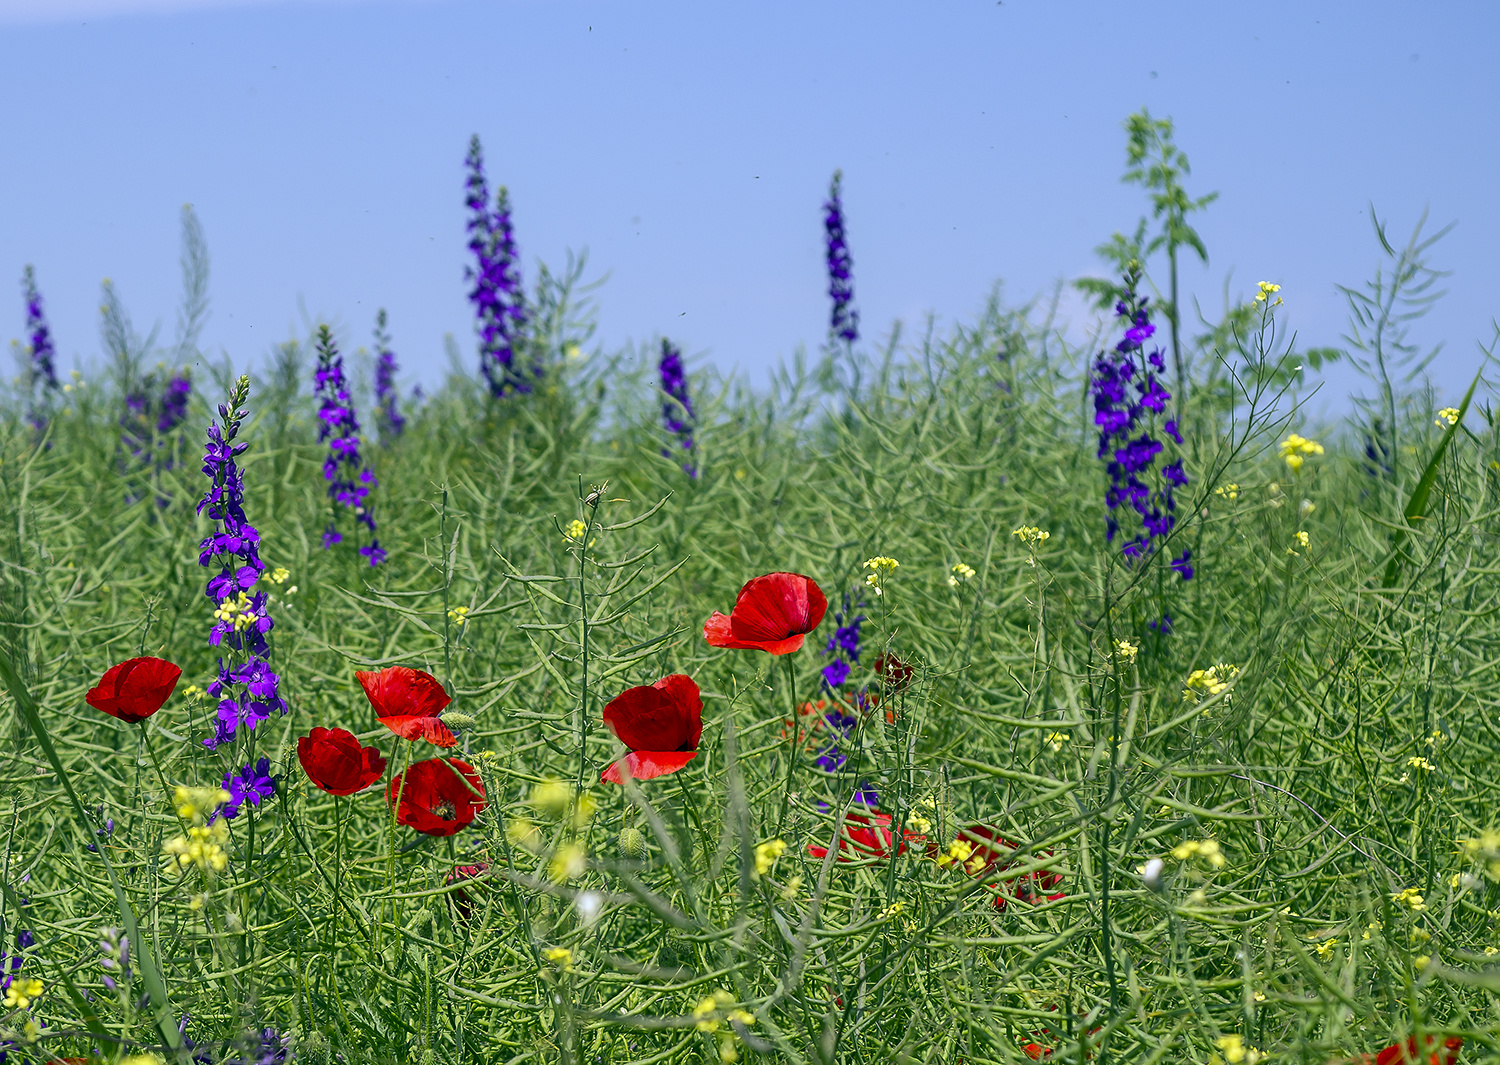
[(973, 696)]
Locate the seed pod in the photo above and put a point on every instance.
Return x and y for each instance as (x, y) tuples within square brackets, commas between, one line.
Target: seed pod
[(632, 844), (455, 719)]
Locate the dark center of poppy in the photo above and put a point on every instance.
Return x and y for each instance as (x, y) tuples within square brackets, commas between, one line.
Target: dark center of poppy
[(445, 809)]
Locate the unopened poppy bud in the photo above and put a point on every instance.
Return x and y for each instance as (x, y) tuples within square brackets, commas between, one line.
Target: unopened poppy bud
[(632, 844), (457, 720)]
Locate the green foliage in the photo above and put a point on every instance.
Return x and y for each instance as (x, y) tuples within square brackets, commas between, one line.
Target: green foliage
[(1342, 745)]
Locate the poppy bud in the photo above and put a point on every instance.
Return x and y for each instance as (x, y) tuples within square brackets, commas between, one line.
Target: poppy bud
[(632, 844), (458, 720)]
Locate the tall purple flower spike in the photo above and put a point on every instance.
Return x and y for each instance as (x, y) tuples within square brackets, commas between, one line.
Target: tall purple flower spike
[(349, 480), (41, 368), (843, 323), (498, 299), (246, 687), (677, 412), (1128, 395), (387, 406)]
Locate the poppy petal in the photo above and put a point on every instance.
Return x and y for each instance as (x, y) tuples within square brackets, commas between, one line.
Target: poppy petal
[(135, 689), (401, 691), (643, 765), (718, 632), (665, 716), (777, 606)]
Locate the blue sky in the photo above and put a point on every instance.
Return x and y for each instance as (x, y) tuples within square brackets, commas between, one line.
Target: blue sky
[(688, 147)]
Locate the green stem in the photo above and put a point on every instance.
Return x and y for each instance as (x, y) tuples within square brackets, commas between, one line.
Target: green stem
[(791, 747)]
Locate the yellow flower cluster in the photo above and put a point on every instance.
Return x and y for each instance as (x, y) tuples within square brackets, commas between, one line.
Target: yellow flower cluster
[(1210, 681), (1126, 651), (1295, 449), (1267, 290), (459, 615), (1236, 1052), (562, 957), (1228, 491), (279, 575), (235, 612), (1485, 850), (1206, 849), (1325, 948), (203, 846), (575, 530), (1055, 740), (556, 799), (196, 804), (1446, 417), (766, 855), (961, 574), (1031, 536), (21, 992), (893, 910), (1410, 898), (881, 568), (1301, 538), (958, 852), (712, 1011), (1416, 761)]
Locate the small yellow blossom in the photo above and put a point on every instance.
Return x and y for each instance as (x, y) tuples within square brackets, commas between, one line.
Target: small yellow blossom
[(961, 574), (192, 691), (459, 616), (195, 804), (766, 855), (1206, 849), (1485, 851), (1421, 960), (575, 530), (1211, 681), (1416, 761), (958, 851), (1301, 538), (235, 612), (562, 957), (704, 1012), (881, 568), (1492, 950), (1410, 898), (1446, 417), (21, 992), (1031, 536), (1325, 948), (569, 861), (1295, 449), (203, 846), (919, 824), (279, 575), (1266, 290), (1236, 1052), (1228, 491), (1055, 740), (1373, 926), (1126, 651), (1260, 996), (893, 910)]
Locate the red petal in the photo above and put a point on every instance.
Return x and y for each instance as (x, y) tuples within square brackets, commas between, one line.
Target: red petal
[(401, 691), (718, 633), (775, 607), (430, 729), (665, 716), (134, 689), (335, 762), (643, 765)]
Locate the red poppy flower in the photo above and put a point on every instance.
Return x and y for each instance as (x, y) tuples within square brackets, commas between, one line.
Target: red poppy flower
[(990, 853), (135, 689), (866, 836), (460, 898), (333, 760), (661, 723), (893, 671), (439, 796), (772, 614), (408, 702), (1405, 1053)]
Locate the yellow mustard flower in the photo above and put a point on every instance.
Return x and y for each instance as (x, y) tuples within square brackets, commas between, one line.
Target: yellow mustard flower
[(881, 568), (1295, 449), (766, 855), (459, 616), (21, 992), (961, 574), (1446, 417)]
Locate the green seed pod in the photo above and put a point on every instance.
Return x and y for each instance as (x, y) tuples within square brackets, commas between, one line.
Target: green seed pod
[(458, 720), (632, 844)]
